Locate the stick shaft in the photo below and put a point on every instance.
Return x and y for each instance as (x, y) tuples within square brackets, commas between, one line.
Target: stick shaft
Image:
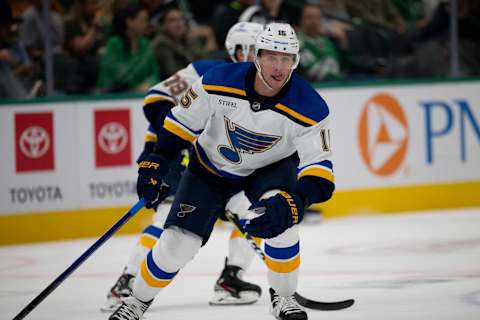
[(65, 274)]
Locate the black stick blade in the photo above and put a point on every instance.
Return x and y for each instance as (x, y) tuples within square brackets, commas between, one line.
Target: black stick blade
[(325, 306)]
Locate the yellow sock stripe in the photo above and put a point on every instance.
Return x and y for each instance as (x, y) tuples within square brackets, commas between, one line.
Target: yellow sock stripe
[(236, 234), (283, 266), (149, 279), (147, 241), (318, 172), (177, 130)]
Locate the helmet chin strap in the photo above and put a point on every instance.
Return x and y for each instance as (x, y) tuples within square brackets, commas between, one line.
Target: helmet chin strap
[(260, 74)]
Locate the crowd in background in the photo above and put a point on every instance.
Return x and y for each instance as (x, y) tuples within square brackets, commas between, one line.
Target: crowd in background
[(108, 46)]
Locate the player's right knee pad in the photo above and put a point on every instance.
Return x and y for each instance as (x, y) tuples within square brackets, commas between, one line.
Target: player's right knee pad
[(176, 247)]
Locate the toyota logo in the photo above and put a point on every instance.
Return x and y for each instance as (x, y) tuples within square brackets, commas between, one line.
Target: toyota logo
[(34, 142), (383, 134), (112, 137)]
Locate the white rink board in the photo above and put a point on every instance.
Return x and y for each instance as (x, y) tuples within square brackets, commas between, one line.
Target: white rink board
[(445, 165), (77, 183)]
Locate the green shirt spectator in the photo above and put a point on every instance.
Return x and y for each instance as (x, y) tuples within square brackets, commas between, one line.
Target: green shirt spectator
[(319, 58), (121, 70), (128, 63)]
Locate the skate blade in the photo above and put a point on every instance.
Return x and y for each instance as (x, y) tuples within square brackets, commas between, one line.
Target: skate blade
[(111, 305), (224, 298)]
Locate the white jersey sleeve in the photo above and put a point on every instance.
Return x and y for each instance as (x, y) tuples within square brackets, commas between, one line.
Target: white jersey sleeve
[(188, 119), (173, 87), (314, 150)]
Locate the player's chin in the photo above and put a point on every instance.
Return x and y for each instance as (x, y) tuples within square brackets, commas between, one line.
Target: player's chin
[(277, 82)]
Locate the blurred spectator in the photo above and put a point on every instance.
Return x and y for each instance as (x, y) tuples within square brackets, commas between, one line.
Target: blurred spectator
[(226, 15), (319, 57), (431, 52), (84, 35), (108, 10), (379, 13), (154, 8), (411, 11), (34, 29), (128, 63), (200, 10), (176, 45), (13, 57), (266, 11), (374, 37), (335, 20)]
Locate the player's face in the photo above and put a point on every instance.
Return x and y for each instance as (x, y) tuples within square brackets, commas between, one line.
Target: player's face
[(276, 67), (250, 57), (138, 24)]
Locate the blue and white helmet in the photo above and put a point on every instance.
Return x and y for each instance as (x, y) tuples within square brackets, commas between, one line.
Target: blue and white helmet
[(243, 34), (279, 37)]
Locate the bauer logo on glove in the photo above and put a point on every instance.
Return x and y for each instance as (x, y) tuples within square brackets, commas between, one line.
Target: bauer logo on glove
[(149, 165), (281, 212)]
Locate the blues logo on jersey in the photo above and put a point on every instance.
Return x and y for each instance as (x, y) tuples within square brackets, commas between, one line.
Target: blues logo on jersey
[(242, 140)]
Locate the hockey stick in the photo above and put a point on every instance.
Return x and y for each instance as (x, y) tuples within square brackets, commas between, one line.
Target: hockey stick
[(305, 302), (38, 299)]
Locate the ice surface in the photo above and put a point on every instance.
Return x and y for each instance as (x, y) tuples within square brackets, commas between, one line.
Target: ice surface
[(409, 266)]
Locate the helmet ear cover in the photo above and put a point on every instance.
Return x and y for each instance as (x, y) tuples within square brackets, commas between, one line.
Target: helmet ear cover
[(243, 35)]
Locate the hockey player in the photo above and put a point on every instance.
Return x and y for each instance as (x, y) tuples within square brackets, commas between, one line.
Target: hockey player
[(246, 122), (229, 288)]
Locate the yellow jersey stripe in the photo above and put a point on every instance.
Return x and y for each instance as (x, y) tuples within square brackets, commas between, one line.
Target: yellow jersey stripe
[(152, 99), (151, 281), (224, 89), (202, 162), (318, 172), (295, 114), (178, 131), (150, 137), (283, 267)]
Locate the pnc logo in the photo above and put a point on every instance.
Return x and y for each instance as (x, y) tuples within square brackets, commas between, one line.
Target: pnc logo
[(34, 142), (383, 134), (112, 137)]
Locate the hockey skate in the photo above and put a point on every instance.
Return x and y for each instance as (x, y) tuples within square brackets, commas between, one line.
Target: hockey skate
[(286, 308), (120, 290), (230, 289), (131, 309)]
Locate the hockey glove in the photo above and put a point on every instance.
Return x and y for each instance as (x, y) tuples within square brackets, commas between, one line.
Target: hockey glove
[(151, 171), (147, 149), (280, 212)]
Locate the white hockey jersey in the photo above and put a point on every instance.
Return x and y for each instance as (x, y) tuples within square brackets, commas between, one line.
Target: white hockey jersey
[(171, 89), (235, 131)]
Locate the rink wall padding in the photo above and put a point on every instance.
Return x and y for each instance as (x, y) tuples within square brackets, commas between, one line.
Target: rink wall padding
[(69, 164), (65, 225)]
